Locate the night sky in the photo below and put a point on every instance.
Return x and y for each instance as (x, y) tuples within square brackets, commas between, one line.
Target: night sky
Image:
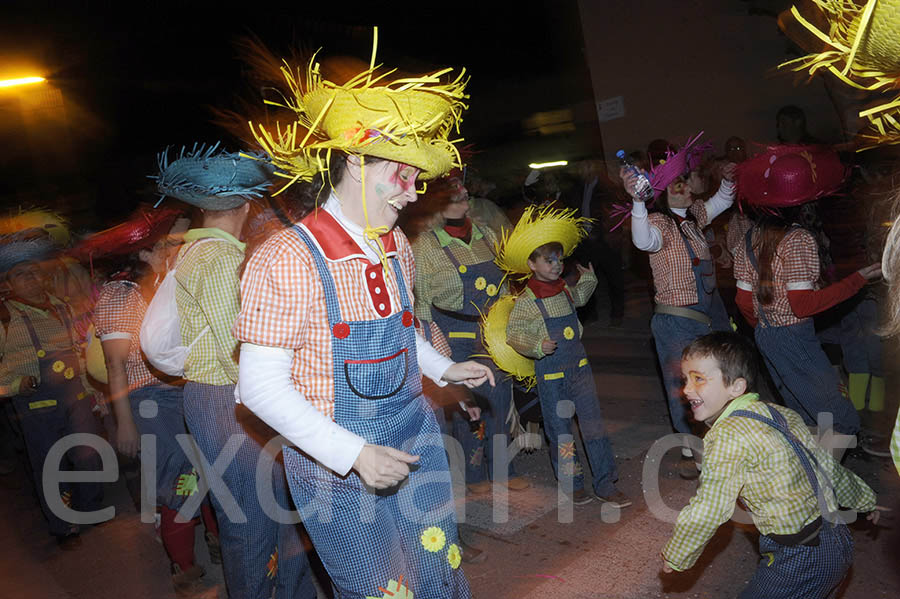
[(144, 79)]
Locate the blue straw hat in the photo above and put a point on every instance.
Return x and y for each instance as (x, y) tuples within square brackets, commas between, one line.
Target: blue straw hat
[(22, 247), (212, 179)]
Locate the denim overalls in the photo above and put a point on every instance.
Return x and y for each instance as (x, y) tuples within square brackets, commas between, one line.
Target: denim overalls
[(366, 538)]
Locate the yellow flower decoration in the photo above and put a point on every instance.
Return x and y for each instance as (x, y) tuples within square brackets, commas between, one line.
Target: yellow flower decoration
[(491, 290), (433, 539), (69, 373), (462, 268), (453, 556), (568, 333), (59, 366), (480, 283), (567, 450), (41, 353)]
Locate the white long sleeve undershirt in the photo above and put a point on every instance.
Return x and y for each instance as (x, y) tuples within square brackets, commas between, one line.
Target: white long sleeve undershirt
[(648, 238)]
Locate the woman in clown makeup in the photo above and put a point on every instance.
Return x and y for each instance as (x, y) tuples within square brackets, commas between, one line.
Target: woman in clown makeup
[(330, 356)]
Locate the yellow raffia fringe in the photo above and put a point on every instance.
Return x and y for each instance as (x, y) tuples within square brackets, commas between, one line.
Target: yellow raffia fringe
[(493, 330), (864, 53), (56, 225), (537, 227), (407, 120)]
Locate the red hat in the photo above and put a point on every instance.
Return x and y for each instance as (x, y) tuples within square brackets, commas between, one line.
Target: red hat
[(789, 175), (140, 232)]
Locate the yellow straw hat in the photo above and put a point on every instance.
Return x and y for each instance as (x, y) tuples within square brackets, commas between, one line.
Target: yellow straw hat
[(537, 227), (408, 120), (51, 222), (493, 330), (862, 49)]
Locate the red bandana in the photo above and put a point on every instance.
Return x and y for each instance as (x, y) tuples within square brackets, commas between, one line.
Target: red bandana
[(463, 231), (542, 289)]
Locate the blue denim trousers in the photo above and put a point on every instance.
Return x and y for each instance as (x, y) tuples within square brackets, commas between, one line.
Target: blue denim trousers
[(258, 554)]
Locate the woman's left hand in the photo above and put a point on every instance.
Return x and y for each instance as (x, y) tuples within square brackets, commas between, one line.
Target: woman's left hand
[(471, 374)]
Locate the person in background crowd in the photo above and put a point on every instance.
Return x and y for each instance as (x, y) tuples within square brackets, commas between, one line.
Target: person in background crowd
[(260, 555), (687, 302)]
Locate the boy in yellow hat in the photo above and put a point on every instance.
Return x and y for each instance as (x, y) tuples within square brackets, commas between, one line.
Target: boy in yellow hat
[(543, 325)]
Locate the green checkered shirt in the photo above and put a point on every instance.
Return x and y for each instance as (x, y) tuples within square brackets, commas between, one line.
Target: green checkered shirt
[(750, 460), (526, 330), (19, 357), (208, 293), (437, 280)]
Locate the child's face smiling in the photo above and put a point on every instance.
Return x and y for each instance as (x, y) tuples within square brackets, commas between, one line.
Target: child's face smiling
[(705, 388), (546, 269)]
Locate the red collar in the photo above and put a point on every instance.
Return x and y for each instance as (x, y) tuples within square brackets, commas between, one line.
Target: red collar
[(335, 242), (542, 289)]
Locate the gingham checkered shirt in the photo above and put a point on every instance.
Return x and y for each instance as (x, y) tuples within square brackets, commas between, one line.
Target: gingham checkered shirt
[(283, 305), (208, 293), (437, 281), (750, 460), (672, 275), (795, 266), (526, 329), (118, 314), (19, 355)]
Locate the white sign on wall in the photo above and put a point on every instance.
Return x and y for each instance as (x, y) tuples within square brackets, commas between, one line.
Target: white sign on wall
[(610, 109)]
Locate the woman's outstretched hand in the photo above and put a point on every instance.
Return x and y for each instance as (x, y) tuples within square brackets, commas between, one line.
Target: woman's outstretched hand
[(471, 374)]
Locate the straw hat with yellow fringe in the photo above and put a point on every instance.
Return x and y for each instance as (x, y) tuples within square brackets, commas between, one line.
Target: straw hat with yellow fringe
[(407, 120), (862, 49), (493, 332), (537, 227), (52, 223)]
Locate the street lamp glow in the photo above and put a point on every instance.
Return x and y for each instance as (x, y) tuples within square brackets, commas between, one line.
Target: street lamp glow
[(540, 165), (20, 81)]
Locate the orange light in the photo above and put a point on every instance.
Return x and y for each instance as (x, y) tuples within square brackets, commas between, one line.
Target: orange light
[(20, 81)]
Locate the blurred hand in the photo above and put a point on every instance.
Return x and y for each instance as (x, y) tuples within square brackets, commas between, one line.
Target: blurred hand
[(470, 373), (582, 270), (875, 514), (381, 467), (127, 439), (28, 386), (871, 272), (729, 171), (548, 346), (665, 567), (102, 406), (474, 412)]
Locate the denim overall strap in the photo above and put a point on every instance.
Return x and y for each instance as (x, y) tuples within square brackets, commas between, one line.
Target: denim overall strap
[(704, 291), (481, 286), (56, 409), (366, 539), (807, 459), (569, 352)]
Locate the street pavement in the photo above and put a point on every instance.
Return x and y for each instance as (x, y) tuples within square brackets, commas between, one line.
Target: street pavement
[(542, 550)]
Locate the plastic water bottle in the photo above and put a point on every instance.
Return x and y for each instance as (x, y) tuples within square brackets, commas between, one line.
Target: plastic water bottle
[(642, 185)]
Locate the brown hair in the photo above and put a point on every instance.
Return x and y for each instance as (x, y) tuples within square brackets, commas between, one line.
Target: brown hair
[(735, 355), (544, 251)]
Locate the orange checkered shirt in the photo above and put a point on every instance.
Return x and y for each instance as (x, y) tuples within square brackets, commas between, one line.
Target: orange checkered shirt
[(795, 266), (283, 300), (118, 314), (672, 275)]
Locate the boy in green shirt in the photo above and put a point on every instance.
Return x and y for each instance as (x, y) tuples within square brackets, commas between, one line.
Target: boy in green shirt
[(764, 455)]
